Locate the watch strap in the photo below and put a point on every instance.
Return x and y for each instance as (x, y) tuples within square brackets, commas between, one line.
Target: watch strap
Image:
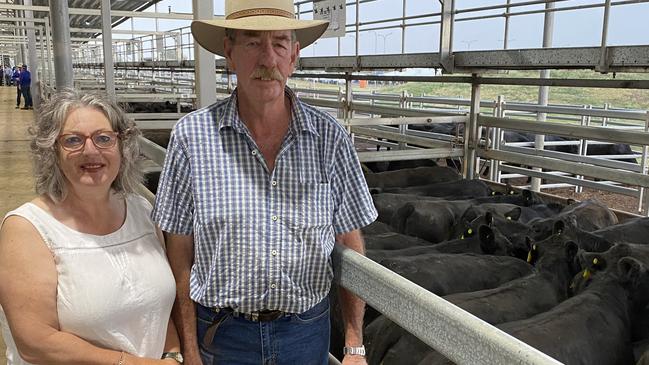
[(354, 350)]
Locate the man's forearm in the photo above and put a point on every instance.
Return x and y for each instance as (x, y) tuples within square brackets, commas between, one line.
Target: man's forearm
[(353, 307)]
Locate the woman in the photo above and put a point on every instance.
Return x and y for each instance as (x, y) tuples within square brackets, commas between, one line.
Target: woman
[(83, 274)]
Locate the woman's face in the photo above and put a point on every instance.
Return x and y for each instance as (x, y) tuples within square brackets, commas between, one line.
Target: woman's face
[(83, 163)]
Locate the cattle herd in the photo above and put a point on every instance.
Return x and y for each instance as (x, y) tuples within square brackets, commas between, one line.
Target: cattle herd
[(569, 279)]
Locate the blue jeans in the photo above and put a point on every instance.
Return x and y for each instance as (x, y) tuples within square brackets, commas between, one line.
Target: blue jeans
[(27, 95), (293, 339)]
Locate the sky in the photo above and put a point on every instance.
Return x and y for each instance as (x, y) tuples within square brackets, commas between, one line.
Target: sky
[(628, 25)]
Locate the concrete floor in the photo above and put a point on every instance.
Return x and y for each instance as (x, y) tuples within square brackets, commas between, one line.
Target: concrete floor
[(16, 183)]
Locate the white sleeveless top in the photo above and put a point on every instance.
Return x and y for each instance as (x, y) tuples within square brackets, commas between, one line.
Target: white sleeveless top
[(114, 291)]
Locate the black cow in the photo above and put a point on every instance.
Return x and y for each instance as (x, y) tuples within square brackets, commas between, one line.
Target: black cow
[(594, 326), (521, 298), (383, 166), (387, 204), (430, 220), (451, 190), (411, 177), (589, 215), (632, 231), (390, 241), (479, 242), (377, 227), (444, 274)]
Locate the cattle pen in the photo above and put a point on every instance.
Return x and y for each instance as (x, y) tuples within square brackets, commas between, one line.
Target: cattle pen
[(540, 143)]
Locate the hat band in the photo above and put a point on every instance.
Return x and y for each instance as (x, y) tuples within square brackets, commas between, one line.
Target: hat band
[(260, 11)]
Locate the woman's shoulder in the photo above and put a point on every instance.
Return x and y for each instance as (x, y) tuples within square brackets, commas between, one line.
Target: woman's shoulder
[(22, 224)]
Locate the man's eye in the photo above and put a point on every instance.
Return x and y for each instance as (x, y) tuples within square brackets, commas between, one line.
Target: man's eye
[(103, 138)]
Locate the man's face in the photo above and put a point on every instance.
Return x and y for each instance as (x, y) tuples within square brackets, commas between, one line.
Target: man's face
[(263, 61)]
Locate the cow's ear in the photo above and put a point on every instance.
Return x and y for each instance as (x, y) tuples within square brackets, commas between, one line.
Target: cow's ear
[(559, 227), (630, 269), (514, 214), (487, 239), (488, 218), (571, 251)]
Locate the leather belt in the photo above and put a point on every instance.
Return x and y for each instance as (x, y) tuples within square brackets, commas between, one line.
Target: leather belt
[(258, 316)]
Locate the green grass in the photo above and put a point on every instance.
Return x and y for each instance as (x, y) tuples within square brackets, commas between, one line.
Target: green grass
[(616, 98)]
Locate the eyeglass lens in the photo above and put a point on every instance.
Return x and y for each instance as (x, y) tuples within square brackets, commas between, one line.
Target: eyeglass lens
[(101, 139)]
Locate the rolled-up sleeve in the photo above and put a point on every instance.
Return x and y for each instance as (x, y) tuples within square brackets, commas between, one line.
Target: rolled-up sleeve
[(174, 206), (354, 208)]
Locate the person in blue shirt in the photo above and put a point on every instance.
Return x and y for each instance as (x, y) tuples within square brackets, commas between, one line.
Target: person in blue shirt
[(25, 87), (254, 192), (15, 79)]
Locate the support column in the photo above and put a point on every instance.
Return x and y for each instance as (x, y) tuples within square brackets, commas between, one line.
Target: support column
[(48, 44), (205, 65), (107, 38), (471, 132), (32, 56), (446, 35), (544, 91), (60, 19)]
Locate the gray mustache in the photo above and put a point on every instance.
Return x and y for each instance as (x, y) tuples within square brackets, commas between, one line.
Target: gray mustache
[(267, 73)]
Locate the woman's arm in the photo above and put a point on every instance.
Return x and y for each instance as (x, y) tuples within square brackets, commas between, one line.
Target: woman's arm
[(172, 344), (28, 284)]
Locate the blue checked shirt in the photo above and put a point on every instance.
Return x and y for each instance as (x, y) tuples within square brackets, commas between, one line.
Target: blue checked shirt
[(262, 240)]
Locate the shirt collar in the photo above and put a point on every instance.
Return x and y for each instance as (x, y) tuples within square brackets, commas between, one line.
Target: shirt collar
[(301, 121)]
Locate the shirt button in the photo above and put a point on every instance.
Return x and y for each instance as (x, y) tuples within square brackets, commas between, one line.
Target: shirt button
[(273, 286), (274, 218), (273, 252), (274, 183), (254, 153)]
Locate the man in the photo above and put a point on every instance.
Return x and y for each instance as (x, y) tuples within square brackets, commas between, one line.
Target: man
[(25, 81), (15, 78), (7, 74), (254, 191)]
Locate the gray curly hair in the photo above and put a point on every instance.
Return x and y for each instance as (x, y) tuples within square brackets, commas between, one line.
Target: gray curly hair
[(47, 128)]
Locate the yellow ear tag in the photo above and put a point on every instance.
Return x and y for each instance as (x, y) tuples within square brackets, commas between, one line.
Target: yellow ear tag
[(509, 218), (462, 237), (529, 257), (586, 274), (595, 261), (470, 231), (534, 247)]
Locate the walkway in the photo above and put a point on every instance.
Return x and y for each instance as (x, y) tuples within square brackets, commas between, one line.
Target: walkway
[(16, 183)]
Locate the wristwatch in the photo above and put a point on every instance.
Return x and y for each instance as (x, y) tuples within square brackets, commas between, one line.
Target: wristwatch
[(354, 350), (173, 355)]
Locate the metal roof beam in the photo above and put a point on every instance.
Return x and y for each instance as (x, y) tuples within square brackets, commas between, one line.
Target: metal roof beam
[(97, 12)]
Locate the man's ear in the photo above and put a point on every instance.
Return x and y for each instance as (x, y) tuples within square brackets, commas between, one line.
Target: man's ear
[(295, 57), (227, 50)]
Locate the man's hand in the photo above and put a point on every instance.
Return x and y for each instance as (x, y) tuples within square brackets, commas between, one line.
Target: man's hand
[(354, 360)]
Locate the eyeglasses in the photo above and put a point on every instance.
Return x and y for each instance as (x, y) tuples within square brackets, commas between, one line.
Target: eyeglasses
[(75, 142)]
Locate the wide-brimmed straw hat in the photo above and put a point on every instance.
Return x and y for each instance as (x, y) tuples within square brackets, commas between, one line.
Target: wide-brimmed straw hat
[(260, 15)]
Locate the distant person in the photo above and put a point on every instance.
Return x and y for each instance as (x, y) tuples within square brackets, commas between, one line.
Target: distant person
[(83, 273), (25, 80), (15, 79), (7, 75)]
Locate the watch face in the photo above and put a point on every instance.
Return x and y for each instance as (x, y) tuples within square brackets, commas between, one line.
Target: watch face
[(174, 355)]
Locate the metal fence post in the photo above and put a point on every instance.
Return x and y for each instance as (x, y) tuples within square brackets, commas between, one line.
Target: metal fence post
[(643, 201), (471, 131), (403, 103), (499, 112)]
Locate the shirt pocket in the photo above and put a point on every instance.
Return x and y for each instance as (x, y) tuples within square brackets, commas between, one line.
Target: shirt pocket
[(314, 206)]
